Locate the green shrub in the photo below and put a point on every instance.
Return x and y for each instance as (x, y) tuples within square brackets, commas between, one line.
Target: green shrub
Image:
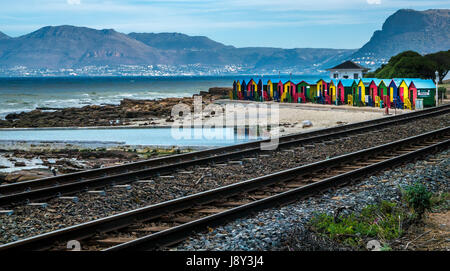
[(442, 91), (418, 198)]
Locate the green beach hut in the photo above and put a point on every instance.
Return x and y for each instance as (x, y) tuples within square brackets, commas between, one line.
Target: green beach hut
[(347, 83), (426, 90)]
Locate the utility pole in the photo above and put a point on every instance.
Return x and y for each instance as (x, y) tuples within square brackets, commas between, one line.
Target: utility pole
[(437, 95)]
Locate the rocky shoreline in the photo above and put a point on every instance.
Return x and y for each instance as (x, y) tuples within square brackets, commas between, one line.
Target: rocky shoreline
[(35, 162), (150, 112)]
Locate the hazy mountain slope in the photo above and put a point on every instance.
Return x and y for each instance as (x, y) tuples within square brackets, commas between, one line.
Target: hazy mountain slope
[(421, 31), (3, 36), (177, 41), (67, 46)]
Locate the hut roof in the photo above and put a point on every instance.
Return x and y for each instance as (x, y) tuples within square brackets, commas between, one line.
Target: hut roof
[(347, 82), (348, 65), (424, 83), (304, 81), (369, 81), (392, 81)]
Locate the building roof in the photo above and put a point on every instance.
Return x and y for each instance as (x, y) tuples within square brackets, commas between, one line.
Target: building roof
[(348, 65), (424, 83)]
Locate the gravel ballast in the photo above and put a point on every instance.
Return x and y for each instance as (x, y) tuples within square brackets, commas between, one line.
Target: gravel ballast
[(268, 230)]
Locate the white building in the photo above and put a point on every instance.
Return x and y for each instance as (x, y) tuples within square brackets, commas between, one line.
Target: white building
[(347, 70)]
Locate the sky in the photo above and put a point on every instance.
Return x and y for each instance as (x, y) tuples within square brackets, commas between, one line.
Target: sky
[(345, 24)]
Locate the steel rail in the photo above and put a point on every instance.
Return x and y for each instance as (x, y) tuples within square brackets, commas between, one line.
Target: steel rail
[(125, 219), (75, 182), (179, 233)]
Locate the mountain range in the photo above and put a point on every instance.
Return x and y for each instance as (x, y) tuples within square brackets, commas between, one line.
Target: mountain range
[(67, 46), (71, 46)]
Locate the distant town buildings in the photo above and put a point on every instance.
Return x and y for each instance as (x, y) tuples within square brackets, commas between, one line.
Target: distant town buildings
[(126, 70)]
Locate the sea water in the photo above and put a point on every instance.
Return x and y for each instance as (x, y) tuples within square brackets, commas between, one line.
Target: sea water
[(129, 136), (28, 93)]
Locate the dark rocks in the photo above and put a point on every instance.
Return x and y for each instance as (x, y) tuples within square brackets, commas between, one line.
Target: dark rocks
[(19, 164), (96, 115), (219, 91)]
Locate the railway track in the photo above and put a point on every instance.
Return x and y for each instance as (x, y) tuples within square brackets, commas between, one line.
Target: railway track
[(67, 184), (164, 224)]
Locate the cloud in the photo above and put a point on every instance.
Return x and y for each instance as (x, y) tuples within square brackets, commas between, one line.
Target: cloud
[(74, 2), (373, 2)]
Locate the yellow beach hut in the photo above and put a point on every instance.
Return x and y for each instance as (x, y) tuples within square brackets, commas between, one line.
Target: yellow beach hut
[(321, 88), (332, 91), (361, 91), (268, 87), (240, 96), (403, 90)]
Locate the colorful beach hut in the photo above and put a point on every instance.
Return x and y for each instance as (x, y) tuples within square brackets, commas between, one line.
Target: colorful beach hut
[(354, 96), (371, 91), (412, 94), (382, 91), (402, 89), (289, 93), (322, 88), (340, 92), (361, 93), (392, 90), (426, 90), (233, 94), (268, 88), (260, 91), (312, 90), (278, 89), (347, 84), (332, 92), (251, 90), (302, 90), (394, 93)]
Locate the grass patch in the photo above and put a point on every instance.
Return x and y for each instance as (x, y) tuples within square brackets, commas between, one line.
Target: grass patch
[(384, 221), (440, 202), (381, 221)]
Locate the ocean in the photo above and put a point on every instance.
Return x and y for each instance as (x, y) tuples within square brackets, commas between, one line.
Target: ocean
[(28, 93)]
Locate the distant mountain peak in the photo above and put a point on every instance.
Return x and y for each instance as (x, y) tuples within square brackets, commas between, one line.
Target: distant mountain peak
[(4, 36), (68, 31), (407, 29), (177, 41)]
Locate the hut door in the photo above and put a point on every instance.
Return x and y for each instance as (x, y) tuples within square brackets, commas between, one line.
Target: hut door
[(354, 94)]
